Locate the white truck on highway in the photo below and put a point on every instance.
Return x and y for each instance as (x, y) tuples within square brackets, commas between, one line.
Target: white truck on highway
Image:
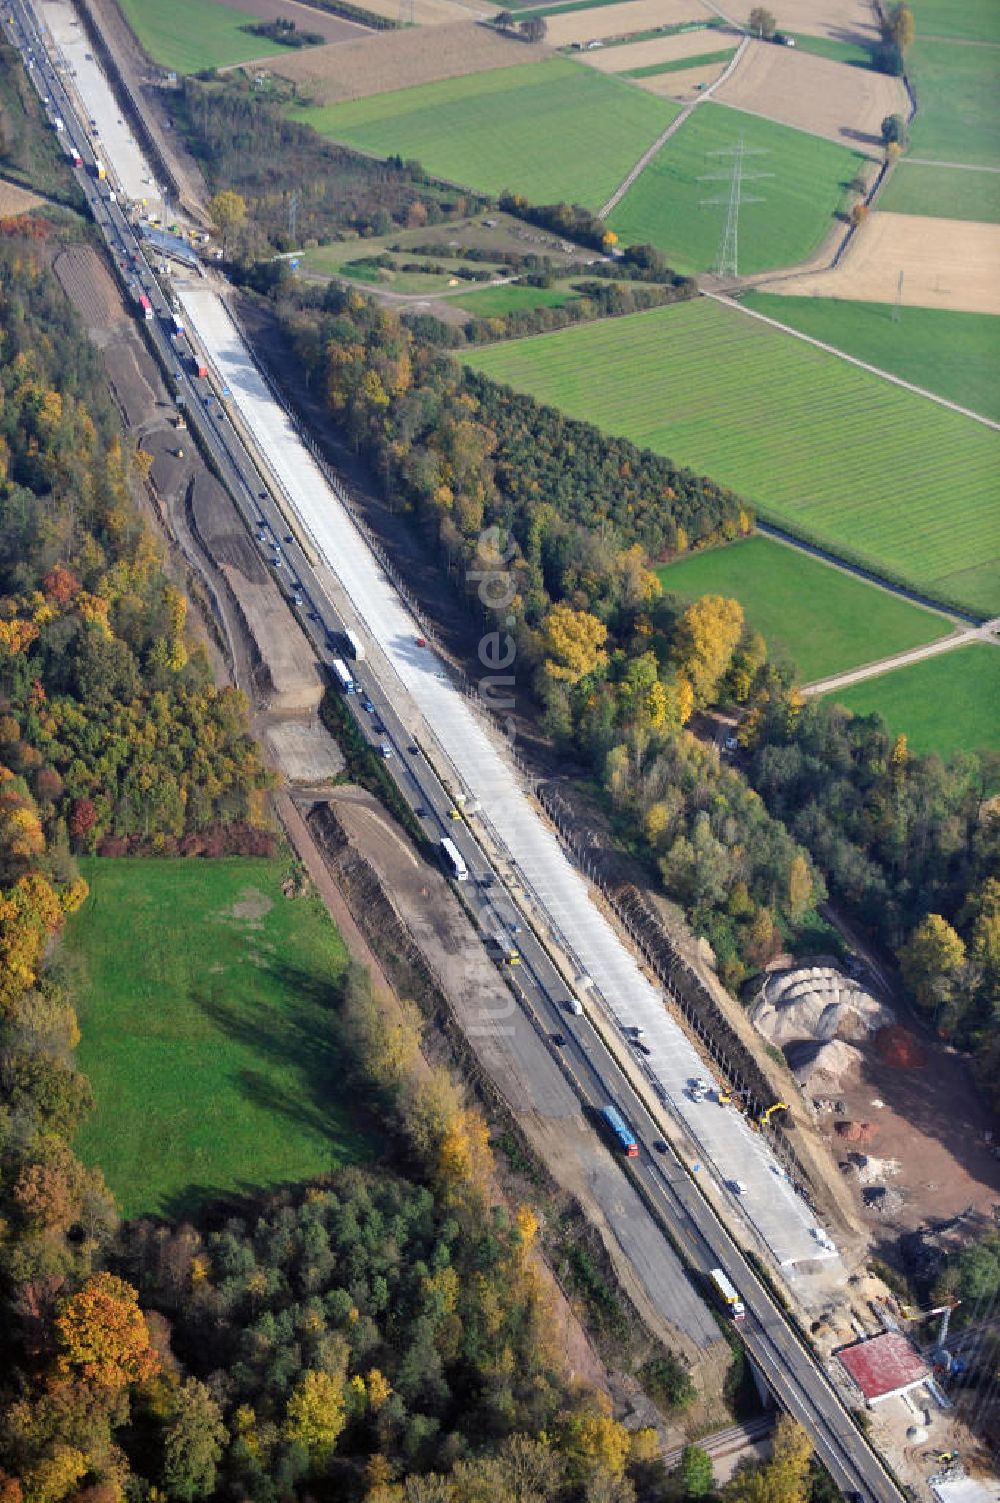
[(354, 646)]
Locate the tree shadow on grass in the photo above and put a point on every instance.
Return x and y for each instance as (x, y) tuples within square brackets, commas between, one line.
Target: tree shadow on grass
[(300, 1068)]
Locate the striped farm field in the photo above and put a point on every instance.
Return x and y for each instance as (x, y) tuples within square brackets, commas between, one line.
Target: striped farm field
[(805, 185), (843, 458), (553, 130)]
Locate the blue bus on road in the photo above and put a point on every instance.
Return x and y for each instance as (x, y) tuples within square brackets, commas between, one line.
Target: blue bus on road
[(623, 1133)]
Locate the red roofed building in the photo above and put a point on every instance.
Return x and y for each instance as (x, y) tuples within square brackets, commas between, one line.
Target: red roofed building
[(884, 1367)]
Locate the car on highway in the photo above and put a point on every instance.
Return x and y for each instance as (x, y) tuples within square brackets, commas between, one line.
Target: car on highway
[(289, 538), (413, 749), (368, 707), (559, 1039), (420, 641), (297, 598), (659, 1145), (454, 814), (737, 1186), (420, 812), (275, 561), (385, 751)]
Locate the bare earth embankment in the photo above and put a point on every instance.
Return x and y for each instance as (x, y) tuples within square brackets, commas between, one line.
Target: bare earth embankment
[(813, 93), (945, 263), (378, 62)]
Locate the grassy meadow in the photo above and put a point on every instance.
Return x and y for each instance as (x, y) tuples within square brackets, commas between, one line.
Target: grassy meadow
[(973, 20), (551, 130), (821, 618), (494, 302), (805, 188), (188, 35), (958, 97), (955, 355), (945, 704), (942, 192), (205, 1000), (832, 453)]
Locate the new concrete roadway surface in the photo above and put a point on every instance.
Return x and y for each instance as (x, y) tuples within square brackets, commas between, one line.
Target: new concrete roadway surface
[(740, 1158), (414, 676)]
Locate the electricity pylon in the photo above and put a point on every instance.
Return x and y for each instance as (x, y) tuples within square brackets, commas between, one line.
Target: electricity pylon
[(727, 260)]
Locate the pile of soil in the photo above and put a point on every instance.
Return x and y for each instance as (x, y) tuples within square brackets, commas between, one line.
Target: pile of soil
[(898, 1048), (856, 1132)]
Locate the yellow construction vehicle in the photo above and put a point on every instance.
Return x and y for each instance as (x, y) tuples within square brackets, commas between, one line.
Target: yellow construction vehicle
[(724, 1098), (777, 1106)]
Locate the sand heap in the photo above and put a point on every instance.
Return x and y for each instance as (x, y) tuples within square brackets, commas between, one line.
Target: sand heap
[(823, 1069), (818, 1004)]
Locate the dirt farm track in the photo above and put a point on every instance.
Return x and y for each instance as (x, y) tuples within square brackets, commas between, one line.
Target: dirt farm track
[(946, 263)]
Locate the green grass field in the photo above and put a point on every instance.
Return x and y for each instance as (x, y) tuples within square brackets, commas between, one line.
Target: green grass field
[(827, 450), (552, 130), (806, 188), (956, 355), (494, 302), (976, 20), (824, 620), (852, 53), (680, 64), (944, 704), (958, 97), (944, 193), (205, 1001), (188, 35)]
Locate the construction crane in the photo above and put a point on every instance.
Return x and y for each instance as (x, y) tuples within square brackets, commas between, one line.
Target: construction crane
[(776, 1106)]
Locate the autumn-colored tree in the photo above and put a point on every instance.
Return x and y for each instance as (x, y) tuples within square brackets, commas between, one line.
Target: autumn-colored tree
[(228, 212), (573, 643), (898, 28), (932, 961), (316, 1415), (102, 1335), (707, 635), (591, 1438), (800, 886)]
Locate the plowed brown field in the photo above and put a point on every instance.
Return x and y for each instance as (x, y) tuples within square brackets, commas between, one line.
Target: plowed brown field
[(841, 20), (660, 49), (685, 84), (813, 93), (433, 12), (945, 263), (620, 20), (381, 61)]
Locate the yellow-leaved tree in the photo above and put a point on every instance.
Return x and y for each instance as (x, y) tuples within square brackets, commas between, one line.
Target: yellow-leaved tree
[(573, 643), (708, 633)]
